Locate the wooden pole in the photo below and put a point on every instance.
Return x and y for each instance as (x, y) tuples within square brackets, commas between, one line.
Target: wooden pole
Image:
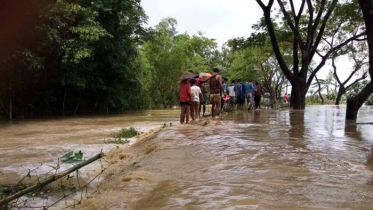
[(50, 180)]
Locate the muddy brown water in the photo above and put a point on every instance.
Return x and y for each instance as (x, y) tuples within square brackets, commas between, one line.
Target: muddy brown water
[(269, 159)]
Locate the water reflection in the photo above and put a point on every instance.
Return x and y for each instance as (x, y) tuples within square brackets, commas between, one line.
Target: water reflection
[(297, 128), (352, 132)]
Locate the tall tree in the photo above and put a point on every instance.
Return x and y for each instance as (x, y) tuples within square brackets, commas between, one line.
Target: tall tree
[(359, 56), (354, 103), (308, 31)]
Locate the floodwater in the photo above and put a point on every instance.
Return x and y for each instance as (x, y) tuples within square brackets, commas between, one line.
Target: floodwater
[(268, 159), (30, 144)]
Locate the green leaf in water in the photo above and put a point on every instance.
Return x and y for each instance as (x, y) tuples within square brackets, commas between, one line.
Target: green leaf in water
[(79, 155)]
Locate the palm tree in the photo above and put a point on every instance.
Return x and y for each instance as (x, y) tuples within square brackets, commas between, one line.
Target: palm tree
[(327, 84)]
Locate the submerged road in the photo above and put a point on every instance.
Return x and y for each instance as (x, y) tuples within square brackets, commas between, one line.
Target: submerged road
[(272, 159)]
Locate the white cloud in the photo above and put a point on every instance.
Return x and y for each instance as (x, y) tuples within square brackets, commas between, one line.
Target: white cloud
[(218, 19)]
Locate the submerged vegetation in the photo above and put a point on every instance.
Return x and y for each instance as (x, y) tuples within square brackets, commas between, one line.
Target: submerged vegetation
[(117, 141), (72, 157), (126, 133)]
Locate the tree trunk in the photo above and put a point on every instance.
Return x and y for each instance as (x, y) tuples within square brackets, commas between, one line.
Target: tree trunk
[(354, 103), (338, 99), (10, 103), (298, 93), (320, 95), (63, 103), (341, 91), (77, 106)]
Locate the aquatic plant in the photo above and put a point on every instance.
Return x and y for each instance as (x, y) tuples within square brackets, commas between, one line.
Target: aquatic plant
[(72, 157), (126, 133), (117, 141)]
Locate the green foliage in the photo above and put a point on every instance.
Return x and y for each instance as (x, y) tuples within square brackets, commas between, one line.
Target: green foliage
[(126, 133), (72, 157), (80, 61), (166, 56), (4, 191)]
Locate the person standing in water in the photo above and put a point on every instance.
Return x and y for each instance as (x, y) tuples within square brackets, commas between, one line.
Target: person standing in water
[(232, 93), (249, 89), (200, 83), (196, 95), (216, 88), (258, 95), (185, 99), (225, 91), (239, 93)]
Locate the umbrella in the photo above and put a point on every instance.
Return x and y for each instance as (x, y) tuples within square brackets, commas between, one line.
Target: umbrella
[(204, 75), (186, 76)]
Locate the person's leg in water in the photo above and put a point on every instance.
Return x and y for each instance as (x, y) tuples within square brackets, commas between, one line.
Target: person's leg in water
[(213, 105), (221, 104), (192, 111), (256, 99), (182, 114), (202, 106), (213, 108), (197, 110), (187, 108), (249, 99), (217, 111)]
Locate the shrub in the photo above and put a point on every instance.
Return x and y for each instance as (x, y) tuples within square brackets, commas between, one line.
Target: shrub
[(126, 133)]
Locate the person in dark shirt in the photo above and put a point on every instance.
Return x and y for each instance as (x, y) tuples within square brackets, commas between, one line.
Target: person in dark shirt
[(200, 83), (258, 95), (216, 88), (239, 93)]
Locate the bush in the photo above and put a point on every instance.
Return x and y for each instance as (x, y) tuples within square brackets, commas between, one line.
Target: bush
[(126, 133)]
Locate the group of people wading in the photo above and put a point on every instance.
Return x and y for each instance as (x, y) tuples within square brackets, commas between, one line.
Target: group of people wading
[(193, 95)]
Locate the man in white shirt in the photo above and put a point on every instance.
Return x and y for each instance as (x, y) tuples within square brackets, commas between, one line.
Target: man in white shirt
[(232, 93), (196, 95)]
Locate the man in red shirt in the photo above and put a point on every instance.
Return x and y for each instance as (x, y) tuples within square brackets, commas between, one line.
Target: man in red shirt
[(185, 100)]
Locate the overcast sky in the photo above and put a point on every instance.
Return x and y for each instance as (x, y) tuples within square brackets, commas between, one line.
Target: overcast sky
[(218, 19)]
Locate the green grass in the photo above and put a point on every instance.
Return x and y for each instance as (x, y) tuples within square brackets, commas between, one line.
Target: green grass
[(126, 133)]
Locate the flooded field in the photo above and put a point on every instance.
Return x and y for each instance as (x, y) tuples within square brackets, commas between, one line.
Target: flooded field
[(26, 144), (269, 159)]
